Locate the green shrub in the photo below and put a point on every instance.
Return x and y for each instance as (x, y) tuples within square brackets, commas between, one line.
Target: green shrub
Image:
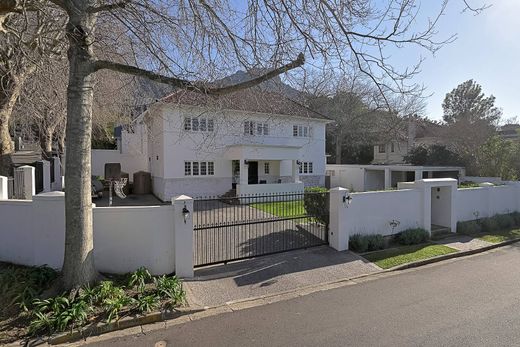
[(413, 236), (504, 221), (316, 201), (489, 224), (358, 243), (516, 218), (468, 227), (375, 242)]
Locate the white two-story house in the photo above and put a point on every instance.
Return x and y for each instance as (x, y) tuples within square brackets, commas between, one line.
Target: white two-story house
[(249, 142)]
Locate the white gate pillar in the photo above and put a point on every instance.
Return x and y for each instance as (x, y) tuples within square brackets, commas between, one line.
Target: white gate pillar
[(388, 179), (3, 188), (183, 235), (338, 231), (24, 182), (46, 176), (57, 184)]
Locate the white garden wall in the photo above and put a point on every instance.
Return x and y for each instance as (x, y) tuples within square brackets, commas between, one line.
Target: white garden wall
[(371, 212), (483, 202), (125, 238)]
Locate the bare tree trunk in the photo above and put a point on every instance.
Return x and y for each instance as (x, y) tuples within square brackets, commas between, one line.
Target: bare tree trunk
[(6, 109), (78, 267), (339, 143)]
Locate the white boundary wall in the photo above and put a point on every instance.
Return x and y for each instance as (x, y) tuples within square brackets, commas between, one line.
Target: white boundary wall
[(125, 238), (372, 212), (473, 203)]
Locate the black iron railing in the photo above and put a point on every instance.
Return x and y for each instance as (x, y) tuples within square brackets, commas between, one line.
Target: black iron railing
[(231, 228)]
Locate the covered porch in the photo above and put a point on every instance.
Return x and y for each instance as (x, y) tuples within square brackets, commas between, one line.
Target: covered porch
[(264, 169)]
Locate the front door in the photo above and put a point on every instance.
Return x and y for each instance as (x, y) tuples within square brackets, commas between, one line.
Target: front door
[(252, 173)]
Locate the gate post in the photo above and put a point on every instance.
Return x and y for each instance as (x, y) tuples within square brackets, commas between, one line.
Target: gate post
[(24, 185), (338, 233), (3, 188), (183, 235)]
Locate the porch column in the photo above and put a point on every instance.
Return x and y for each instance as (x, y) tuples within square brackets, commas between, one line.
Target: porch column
[(244, 171), (388, 179), (418, 175), (295, 171)]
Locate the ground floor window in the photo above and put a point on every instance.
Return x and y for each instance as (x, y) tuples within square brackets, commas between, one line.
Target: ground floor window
[(266, 168), (306, 167), (199, 168)]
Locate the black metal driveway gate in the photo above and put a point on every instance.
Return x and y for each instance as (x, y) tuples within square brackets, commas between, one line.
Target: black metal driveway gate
[(232, 228)]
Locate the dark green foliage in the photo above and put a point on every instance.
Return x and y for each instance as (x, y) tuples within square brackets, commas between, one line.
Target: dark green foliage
[(358, 243), (363, 243), (432, 155), (516, 218), (413, 236), (489, 224), (468, 184), (375, 242), (504, 221), (20, 285), (468, 227), (316, 202), (106, 300)]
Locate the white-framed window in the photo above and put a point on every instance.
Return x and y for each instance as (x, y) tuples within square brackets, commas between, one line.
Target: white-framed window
[(306, 167), (301, 131), (199, 168), (199, 124), (266, 168), (255, 128), (392, 147), (382, 148)]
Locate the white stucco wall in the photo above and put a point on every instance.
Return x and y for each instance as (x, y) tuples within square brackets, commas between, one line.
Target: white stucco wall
[(125, 238), (371, 212), (441, 206), (374, 180), (352, 178)]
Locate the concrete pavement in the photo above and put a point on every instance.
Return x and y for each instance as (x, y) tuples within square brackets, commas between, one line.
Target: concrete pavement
[(472, 301)]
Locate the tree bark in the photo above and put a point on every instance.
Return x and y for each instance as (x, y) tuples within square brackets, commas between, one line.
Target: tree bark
[(339, 143), (78, 266), (7, 104)]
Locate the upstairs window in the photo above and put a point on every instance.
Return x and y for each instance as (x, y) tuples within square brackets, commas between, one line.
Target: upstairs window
[(198, 124), (254, 128), (382, 148), (199, 168), (301, 131), (392, 147)]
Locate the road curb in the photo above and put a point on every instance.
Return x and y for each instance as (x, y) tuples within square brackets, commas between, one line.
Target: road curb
[(171, 318)]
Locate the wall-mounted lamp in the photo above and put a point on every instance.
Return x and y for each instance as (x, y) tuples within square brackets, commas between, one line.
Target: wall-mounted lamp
[(185, 213), (347, 199), (246, 162)]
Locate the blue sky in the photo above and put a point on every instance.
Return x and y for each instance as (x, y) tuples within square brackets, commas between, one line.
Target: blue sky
[(487, 50)]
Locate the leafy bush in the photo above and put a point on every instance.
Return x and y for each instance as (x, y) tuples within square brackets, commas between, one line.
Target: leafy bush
[(516, 218), (375, 242), (468, 227), (489, 224), (146, 303), (363, 243), (358, 243), (413, 236), (170, 288), (139, 278), (504, 221), (20, 285), (316, 202)]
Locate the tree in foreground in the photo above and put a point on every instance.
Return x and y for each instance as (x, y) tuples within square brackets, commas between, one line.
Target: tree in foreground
[(187, 44)]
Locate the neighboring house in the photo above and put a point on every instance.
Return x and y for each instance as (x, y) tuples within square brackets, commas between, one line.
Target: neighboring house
[(510, 132), (249, 142), (414, 132)]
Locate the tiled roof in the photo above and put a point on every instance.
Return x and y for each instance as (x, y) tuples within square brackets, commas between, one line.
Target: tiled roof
[(252, 99)]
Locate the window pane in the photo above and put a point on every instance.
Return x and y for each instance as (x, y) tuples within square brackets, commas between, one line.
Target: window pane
[(202, 124), (305, 167), (211, 168), (300, 130), (295, 130), (195, 124), (300, 168), (187, 123), (203, 168), (187, 168), (195, 168), (266, 168), (259, 129), (266, 129), (211, 125), (310, 167), (305, 131)]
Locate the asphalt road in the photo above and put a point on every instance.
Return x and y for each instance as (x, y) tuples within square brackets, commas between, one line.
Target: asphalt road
[(473, 301)]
